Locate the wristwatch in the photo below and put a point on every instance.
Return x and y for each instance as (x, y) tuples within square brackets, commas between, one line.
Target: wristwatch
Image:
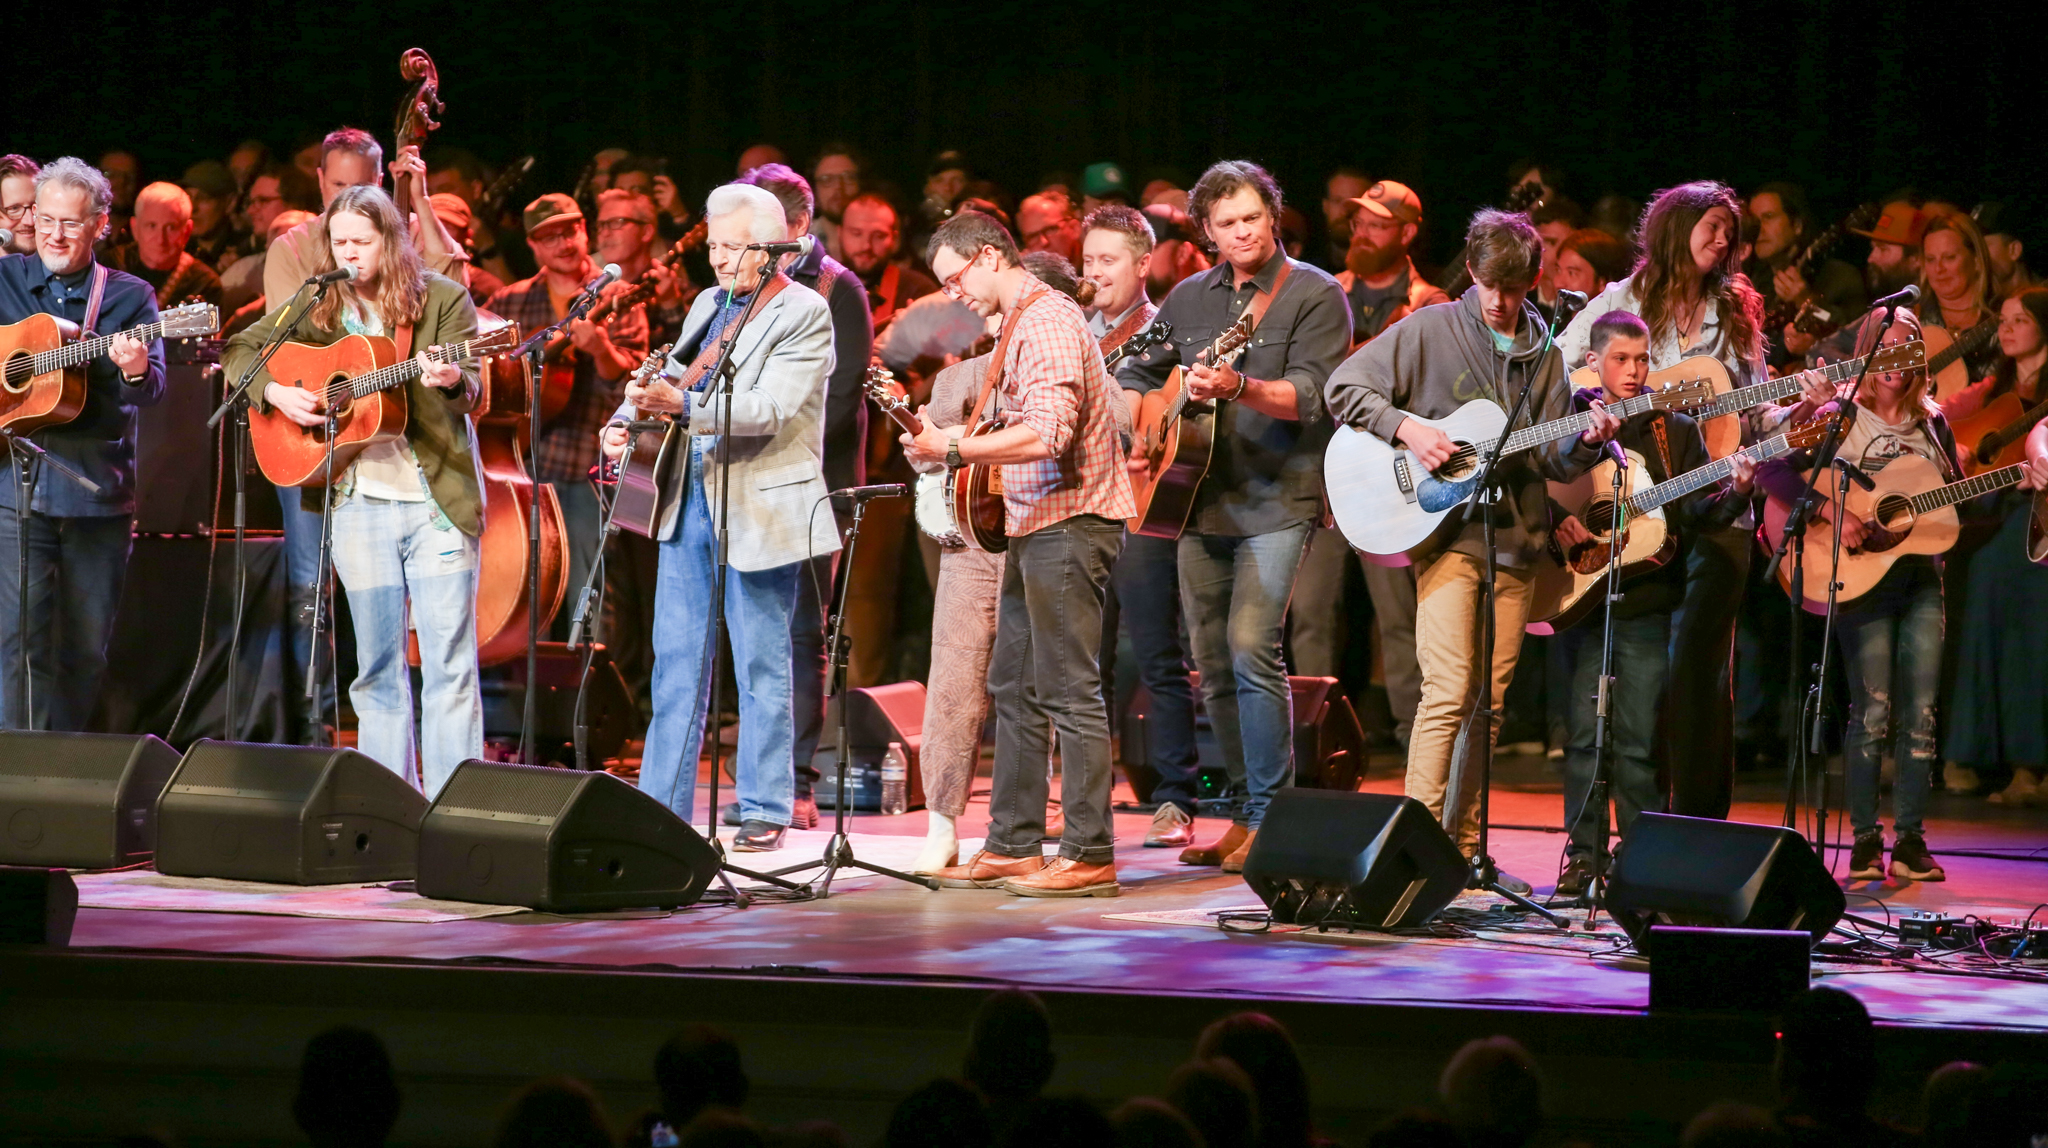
[(953, 460)]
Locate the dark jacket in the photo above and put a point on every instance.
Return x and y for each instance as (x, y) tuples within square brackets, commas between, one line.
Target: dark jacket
[(853, 344), (1444, 356), (437, 422)]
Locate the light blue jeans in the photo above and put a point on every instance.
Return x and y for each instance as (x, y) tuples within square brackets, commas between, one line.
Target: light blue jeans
[(1234, 594), (391, 555), (1891, 648), (758, 606)]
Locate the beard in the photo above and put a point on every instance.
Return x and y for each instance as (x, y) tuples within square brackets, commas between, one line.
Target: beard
[(1366, 261), (1881, 281)]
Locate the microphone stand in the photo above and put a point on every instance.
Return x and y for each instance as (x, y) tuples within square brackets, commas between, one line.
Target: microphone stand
[(1603, 707), (1478, 733), (323, 601), (26, 452), (1818, 692), (1794, 534), (839, 850), (589, 610), (237, 402), (532, 349)]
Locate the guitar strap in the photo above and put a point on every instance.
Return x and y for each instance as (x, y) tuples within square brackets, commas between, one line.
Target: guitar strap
[(1663, 444), (892, 275), (1262, 300), (708, 354), (94, 296), (1132, 324), (1002, 352), (403, 337)]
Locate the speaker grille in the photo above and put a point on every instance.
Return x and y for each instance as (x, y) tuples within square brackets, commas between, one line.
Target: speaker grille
[(79, 756), (529, 791), (272, 772)]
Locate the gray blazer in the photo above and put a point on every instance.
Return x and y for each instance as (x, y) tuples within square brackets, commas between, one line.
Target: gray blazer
[(781, 363)]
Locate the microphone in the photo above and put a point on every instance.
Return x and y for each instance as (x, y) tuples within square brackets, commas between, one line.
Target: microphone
[(649, 426), (880, 490), (6, 237), (345, 271), (1855, 473), (1569, 304), (801, 245), (1615, 452), (1904, 297), (605, 278)]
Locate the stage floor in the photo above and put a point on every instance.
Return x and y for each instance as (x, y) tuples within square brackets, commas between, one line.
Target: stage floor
[(876, 927)]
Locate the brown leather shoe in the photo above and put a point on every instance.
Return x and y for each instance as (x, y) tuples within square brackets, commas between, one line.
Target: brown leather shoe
[(987, 870), (1234, 863), (1068, 878), (1214, 854)]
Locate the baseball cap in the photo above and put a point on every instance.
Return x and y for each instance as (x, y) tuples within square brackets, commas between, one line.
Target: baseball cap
[(553, 207), (1900, 223), (452, 210), (1102, 180), (209, 178), (1390, 200)]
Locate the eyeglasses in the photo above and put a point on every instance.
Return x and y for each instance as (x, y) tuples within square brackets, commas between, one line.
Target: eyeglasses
[(605, 225), (15, 212), (71, 228), (849, 178), (951, 287)]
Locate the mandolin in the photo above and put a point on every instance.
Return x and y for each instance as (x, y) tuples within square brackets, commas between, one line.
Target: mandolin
[(45, 362), (1176, 434), (558, 361), (362, 380)]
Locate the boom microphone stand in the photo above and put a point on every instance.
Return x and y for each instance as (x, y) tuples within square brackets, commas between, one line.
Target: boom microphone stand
[(839, 850)]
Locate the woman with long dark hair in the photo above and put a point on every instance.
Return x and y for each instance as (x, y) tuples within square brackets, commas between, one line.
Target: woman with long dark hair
[(1689, 289), (1996, 716)]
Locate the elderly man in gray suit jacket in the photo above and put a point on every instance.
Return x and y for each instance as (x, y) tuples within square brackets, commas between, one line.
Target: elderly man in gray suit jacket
[(781, 359)]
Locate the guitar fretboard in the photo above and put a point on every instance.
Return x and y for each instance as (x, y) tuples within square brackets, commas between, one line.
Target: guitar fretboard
[(1965, 343), (1785, 386), (1969, 488), (1644, 501), (73, 354), (1531, 437), (404, 371)]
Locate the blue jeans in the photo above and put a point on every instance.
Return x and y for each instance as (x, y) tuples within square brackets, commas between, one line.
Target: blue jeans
[(302, 567), (1045, 674), (1145, 593), (758, 606), (391, 556), (1234, 593), (76, 569), (1891, 648), (1641, 661)]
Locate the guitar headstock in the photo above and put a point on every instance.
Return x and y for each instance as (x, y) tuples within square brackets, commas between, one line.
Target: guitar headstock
[(651, 365), (1899, 357), (881, 386), (1809, 433), (1682, 397), (190, 321), (495, 342), (1233, 340), (1153, 336), (1524, 197)]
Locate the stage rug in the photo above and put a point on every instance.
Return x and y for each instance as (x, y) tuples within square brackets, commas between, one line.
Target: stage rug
[(390, 902)]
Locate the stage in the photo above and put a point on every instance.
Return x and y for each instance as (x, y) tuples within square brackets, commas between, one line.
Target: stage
[(846, 1002)]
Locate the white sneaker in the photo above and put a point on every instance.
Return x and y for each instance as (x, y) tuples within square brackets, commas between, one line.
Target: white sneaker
[(941, 845), (1171, 828)]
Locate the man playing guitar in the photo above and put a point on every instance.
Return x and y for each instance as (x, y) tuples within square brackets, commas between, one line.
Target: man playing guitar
[(1263, 493), (78, 541), (1065, 491)]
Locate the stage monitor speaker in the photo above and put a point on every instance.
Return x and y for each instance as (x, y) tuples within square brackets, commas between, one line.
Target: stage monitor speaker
[(1672, 870), (1750, 971), (289, 814), (1329, 742), (559, 840), (610, 714), (879, 715), (1367, 859), (37, 906), (80, 800)]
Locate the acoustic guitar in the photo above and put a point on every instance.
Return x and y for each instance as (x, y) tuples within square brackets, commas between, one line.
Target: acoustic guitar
[(558, 360), (1946, 371), (1996, 435), (44, 375), (1176, 434), (1568, 583), (362, 380), (1911, 511), (1388, 506), (649, 484)]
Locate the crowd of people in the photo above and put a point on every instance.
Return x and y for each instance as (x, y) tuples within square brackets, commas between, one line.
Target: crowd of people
[(1355, 328), (1245, 1086)]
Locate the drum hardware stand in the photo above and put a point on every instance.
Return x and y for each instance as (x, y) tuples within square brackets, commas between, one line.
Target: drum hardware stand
[(26, 452), (237, 402), (1793, 541), (839, 850)]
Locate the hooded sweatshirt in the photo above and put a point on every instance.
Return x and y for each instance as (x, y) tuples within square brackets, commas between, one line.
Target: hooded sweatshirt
[(1438, 359)]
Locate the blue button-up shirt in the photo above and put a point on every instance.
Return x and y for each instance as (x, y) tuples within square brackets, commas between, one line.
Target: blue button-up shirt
[(100, 442)]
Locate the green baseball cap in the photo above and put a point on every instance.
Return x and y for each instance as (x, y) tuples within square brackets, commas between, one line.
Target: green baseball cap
[(554, 207), (1102, 180)]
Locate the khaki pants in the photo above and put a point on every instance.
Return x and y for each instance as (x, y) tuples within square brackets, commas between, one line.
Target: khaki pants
[(956, 703), (1446, 646)]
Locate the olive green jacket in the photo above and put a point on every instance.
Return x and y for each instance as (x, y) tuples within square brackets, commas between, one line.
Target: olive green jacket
[(437, 422)]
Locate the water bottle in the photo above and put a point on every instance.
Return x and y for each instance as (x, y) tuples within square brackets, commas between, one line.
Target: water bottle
[(895, 780)]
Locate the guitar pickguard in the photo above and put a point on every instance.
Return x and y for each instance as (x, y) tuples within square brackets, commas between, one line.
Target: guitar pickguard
[(1436, 494)]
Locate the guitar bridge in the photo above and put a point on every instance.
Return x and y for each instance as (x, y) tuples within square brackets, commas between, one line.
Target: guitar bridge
[(1404, 477)]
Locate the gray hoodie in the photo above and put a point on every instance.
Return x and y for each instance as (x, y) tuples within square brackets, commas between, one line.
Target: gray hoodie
[(1444, 356)]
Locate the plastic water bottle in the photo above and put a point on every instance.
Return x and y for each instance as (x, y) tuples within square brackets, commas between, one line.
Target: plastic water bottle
[(895, 780)]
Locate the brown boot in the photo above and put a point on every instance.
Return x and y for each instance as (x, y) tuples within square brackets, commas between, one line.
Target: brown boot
[(1234, 863), (1214, 854), (988, 871), (1065, 877)]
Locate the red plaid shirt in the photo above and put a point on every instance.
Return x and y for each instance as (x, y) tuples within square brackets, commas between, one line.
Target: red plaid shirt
[(1054, 383)]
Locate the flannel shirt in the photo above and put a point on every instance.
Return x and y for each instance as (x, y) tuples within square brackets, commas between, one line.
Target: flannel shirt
[(568, 445), (1054, 383)]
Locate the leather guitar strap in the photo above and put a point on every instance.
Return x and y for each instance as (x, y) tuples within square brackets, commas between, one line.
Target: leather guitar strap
[(1138, 318), (709, 353), (94, 296), (1264, 299), (404, 340), (1002, 352)]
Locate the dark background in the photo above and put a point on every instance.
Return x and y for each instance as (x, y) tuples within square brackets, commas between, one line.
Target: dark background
[(1852, 100)]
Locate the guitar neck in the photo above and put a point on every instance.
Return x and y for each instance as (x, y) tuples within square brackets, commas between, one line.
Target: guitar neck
[(1965, 343), (1782, 387), (1968, 488), (1528, 438), (405, 371), (1670, 489), (73, 354)]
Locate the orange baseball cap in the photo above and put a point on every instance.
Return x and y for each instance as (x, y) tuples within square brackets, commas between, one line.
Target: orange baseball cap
[(1900, 223)]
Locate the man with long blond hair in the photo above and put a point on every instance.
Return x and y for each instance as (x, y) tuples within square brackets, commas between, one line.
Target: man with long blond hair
[(407, 514)]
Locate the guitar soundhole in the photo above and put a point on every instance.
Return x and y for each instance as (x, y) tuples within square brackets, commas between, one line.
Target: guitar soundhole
[(1889, 525), (20, 372), (1462, 464)]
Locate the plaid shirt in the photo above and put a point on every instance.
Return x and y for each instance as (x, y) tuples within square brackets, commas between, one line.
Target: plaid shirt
[(568, 445), (1054, 383)]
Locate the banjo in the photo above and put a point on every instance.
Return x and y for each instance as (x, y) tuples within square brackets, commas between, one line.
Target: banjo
[(934, 491)]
